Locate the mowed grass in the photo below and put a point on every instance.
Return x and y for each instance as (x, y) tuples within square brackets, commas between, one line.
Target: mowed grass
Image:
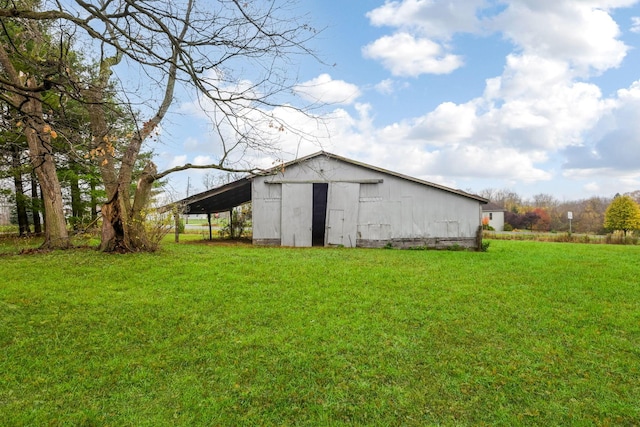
[(528, 333)]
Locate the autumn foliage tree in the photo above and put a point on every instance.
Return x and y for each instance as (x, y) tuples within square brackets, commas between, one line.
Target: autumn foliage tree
[(622, 214), (525, 220), (543, 221)]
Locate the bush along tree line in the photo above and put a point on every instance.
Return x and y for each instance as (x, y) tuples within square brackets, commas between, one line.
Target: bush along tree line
[(80, 137), (544, 213)]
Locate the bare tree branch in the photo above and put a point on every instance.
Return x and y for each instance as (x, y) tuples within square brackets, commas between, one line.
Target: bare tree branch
[(216, 166)]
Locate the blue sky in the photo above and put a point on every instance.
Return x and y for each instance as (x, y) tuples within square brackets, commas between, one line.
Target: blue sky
[(536, 96)]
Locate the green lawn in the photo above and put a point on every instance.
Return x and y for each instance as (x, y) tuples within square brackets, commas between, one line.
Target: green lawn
[(527, 333)]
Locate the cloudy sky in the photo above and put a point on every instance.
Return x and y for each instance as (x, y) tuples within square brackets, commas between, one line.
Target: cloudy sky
[(536, 96)]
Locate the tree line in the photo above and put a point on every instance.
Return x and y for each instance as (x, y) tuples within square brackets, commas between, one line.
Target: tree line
[(545, 213), (71, 134)]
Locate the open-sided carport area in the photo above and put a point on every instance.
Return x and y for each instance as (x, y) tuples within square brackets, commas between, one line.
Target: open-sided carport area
[(220, 199)]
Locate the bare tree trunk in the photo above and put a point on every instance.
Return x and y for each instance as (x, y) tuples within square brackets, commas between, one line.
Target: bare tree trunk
[(123, 224), (35, 204), (56, 235), (113, 237), (76, 198), (41, 153), (21, 206), (94, 200)]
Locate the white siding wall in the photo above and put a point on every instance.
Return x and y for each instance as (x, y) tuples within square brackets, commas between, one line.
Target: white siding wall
[(396, 208), (266, 211), (496, 219)]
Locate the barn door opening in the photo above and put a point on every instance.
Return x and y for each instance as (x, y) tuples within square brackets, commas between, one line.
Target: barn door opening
[(318, 225)]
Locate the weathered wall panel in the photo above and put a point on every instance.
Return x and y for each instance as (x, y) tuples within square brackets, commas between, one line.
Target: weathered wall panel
[(266, 215), (297, 214), (343, 197)]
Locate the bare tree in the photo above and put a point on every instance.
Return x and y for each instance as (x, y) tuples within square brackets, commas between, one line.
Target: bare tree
[(211, 180), (233, 54), (505, 198)]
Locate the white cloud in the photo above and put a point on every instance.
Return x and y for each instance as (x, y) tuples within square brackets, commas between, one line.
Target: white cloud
[(323, 89), (405, 55), (614, 143), (499, 162), (419, 44), (635, 24), (592, 187), (203, 160), (191, 144), (448, 123), (175, 161), (385, 87), (580, 33), (432, 18), (535, 104), (604, 181)]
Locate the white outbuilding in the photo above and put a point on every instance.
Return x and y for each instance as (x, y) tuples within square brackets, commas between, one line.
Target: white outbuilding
[(328, 200)]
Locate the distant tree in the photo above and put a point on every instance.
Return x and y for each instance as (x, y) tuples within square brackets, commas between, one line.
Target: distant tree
[(635, 195), (543, 222), (590, 216), (525, 220), (209, 180), (513, 219), (545, 201), (529, 219), (622, 214), (509, 200), (212, 180)]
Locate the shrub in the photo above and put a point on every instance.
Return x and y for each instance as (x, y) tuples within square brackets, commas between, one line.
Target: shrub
[(418, 248), (456, 247), (239, 221), (181, 226)]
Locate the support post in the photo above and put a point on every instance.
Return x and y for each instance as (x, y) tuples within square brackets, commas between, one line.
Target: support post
[(209, 221), (176, 218)]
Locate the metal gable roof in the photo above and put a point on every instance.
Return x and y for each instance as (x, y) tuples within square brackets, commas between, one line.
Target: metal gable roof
[(396, 174)]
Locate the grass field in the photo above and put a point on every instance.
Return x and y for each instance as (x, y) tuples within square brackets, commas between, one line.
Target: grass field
[(527, 333)]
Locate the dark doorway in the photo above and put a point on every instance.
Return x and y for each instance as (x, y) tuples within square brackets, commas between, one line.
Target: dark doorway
[(319, 213)]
